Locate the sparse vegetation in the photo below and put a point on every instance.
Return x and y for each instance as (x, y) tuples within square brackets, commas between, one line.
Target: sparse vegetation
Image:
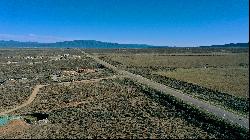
[(109, 109), (230, 80), (215, 75), (29, 67), (121, 108)]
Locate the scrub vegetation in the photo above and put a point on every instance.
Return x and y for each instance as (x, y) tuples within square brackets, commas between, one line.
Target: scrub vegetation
[(83, 99), (220, 76)]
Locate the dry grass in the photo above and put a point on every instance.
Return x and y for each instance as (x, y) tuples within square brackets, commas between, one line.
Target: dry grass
[(230, 80), (223, 72), (182, 61)]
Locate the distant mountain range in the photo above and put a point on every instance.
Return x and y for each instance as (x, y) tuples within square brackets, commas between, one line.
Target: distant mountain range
[(72, 44), (94, 44), (230, 45)]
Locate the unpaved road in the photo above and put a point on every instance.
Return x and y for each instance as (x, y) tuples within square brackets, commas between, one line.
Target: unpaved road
[(31, 98), (37, 88), (219, 112)]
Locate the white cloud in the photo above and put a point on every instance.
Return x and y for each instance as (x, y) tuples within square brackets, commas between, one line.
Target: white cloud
[(32, 37)]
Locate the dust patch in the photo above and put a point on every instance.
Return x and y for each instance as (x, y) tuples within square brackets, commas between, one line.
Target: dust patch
[(14, 127)]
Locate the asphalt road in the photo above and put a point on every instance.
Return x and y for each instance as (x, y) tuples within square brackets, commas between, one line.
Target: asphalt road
[(219, 112)]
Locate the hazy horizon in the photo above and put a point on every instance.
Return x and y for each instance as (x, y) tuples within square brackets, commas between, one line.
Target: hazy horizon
[(124, 43)]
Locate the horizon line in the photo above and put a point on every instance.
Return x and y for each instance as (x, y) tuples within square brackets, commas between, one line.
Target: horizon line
[(114, 42)]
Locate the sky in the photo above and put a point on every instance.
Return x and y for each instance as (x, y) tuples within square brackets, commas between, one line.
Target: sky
[(155, 22)]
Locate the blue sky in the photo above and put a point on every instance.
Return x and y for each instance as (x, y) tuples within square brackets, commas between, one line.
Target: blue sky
[(156, 22)]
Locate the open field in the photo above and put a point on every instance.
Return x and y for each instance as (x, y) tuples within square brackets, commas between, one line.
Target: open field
[(182, 60), (226, 73), (230, 80), (75, 104)]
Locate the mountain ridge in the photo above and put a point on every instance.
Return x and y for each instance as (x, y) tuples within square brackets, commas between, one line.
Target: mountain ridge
[(98, 44), (230, 45), (72, 44)]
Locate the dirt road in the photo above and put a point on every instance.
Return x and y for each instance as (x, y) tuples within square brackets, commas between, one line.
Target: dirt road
[(31, 98), (37, 88), (221, 113)]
